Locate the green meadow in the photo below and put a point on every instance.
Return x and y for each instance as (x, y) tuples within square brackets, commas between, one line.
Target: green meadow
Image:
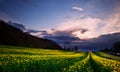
[(22, 59)]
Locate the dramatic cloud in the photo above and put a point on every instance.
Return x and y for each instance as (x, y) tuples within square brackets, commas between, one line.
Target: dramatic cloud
[(112, 23), (102, 42), (77, 8), (81, 27), (89, 27), (41, 34), (69, 32)]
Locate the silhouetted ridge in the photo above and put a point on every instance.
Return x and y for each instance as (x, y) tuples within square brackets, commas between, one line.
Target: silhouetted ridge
[(10, 35)]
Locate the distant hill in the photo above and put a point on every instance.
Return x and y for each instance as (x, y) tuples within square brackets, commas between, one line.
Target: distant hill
[(10, 35)]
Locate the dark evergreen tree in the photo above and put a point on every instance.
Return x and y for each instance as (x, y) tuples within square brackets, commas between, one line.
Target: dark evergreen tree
[(116, 46), (76, 48)]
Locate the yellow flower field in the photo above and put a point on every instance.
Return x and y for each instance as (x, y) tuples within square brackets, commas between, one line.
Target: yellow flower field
[(21, 59)]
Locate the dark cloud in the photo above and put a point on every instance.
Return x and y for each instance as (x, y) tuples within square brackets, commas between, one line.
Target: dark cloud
[(19, 26), (103, 41), (83, 31), (63, 40), (69, 31), (67, 38)]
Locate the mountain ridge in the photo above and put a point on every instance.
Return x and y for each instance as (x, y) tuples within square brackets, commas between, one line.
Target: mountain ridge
[(10, 35)]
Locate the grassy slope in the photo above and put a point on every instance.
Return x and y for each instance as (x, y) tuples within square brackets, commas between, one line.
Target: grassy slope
[(20, 59), (105, 55)]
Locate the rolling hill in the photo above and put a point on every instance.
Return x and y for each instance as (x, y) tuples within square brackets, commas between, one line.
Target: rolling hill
[(9, 35)]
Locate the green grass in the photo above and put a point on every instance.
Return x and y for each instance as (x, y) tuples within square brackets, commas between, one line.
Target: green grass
[(21, 59), (105, 55)]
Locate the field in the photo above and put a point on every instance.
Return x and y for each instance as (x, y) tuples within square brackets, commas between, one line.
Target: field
[(20, 59)]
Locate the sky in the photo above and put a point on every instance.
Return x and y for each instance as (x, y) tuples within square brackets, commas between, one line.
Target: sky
[(79, 18)]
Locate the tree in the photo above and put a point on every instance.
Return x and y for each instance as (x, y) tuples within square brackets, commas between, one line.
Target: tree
[(76, 48), (116, 46)]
